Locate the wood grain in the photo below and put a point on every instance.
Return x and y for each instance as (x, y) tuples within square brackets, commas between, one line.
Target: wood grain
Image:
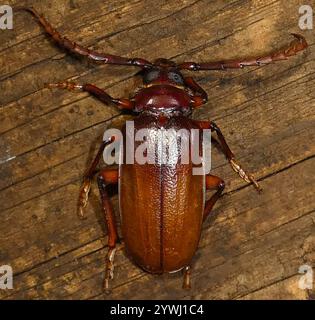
[(254, 248)]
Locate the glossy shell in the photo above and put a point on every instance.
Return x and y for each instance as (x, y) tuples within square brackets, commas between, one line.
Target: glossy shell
[(161, 206), (162, 97)]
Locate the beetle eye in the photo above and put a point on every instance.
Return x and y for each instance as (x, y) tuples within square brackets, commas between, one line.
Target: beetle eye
[(150, 76), (175, 77)]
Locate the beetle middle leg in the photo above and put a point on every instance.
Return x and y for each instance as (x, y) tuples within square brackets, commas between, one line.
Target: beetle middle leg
[(87, 179), (229, 154), (106, 177)]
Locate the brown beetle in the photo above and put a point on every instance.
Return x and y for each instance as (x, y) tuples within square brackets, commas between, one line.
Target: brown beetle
[(162, 207)]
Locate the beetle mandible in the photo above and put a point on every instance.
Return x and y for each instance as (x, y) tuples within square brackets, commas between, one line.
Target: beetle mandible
[(155, 199)]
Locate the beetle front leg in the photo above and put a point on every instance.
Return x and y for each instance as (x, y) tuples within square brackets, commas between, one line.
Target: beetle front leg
[(106, 177), (100, 94), (229, 154), (200, 96), (87, 179)]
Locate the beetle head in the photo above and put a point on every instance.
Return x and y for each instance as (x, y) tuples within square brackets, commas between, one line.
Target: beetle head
[(163, 71)]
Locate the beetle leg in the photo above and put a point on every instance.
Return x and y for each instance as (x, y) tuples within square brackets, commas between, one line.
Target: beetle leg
[(229, 154), (213, 183), (106, 177), (200, 96), (298, 44), (87, 179), (73, 47), (244, 175), (187, 276), (95, 91)]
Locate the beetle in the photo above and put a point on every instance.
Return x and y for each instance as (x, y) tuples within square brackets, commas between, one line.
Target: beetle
[(162, 207)]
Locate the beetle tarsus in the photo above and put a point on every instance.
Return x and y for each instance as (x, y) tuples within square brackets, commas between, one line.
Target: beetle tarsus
[(64, 85), (83, 198), (244, 175), (109, 271), (255, 183), (187, 274)]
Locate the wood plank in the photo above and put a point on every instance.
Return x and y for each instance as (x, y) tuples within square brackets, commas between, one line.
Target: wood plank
[(230, 262), (48, 137), (287, 289)]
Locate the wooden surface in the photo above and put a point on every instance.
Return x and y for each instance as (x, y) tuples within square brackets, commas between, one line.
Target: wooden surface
[(255, 247)]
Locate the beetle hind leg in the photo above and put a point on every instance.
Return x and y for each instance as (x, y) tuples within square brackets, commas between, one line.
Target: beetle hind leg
[(187, 278), (109, 270), (106, 177), (213, 183)]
